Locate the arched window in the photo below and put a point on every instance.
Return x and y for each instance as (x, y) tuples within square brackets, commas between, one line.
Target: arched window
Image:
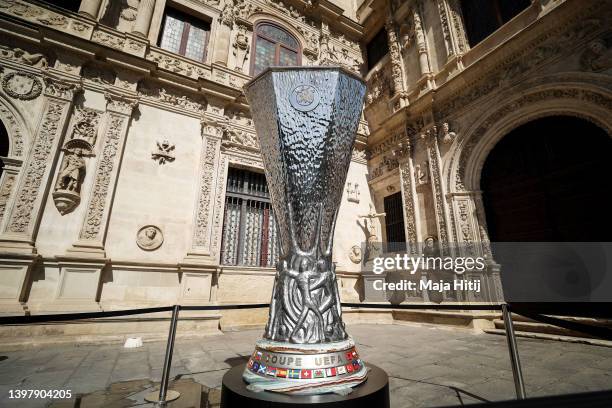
[(274, 46)]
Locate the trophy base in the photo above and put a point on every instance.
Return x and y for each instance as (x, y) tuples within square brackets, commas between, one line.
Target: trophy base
[(304, 369), (374, 392)]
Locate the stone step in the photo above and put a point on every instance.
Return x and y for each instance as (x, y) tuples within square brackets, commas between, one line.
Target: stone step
[(555, 337), (536, 327), (466, 319)]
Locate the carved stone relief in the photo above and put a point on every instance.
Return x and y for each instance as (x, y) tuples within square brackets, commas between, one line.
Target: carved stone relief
[(598, 56), (422, 173), (207, 169), (352, 192), (35, 169), (177, 99), (5, 191), (149, 238), (241, 48), (21, 85), (102, 183), (356, 254), (164, 152), (18, 55)]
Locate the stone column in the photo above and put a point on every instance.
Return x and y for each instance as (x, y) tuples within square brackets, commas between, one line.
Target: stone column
[(396, 58), (90, 8), (438, 187), (421, 42), (202, 218), (23, 217), (143, 18), (93, 232)]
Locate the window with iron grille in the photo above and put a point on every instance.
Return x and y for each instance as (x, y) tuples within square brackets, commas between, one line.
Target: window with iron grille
[(184, 35), (394, 223), (249, 228)]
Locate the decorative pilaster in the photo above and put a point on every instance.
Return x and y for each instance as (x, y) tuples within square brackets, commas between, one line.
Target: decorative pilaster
[(143, 18), (90, 8), (411, 208), (23, 220), (202, 219), (437, 187), (396, 57), (93, 232)]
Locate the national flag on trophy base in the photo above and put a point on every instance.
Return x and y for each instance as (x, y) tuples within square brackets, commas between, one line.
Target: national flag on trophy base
[(318, 373), (354, 354), (261, 369), (357, 364), (330, 372), (250, 363), (294, 373), (271, 371), (341, 370), (306, 374), (349, 355), (281, 372), (349, 368), (255, 366), (258, 355)]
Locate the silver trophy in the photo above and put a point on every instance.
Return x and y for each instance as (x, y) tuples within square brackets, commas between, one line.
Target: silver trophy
[(306, 119)]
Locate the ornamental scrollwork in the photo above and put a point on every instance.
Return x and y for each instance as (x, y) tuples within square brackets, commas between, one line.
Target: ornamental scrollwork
[(21, 85)]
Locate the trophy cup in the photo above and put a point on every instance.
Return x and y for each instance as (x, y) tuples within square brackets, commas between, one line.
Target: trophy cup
[(306, 119)]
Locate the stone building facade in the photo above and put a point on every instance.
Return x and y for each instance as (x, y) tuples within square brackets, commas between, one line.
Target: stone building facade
[(124, 122)]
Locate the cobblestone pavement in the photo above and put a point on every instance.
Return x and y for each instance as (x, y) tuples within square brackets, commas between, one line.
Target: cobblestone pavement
[(428, 366)]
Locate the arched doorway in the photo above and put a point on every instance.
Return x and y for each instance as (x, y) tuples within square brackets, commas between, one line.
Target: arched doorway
[(549, 181)]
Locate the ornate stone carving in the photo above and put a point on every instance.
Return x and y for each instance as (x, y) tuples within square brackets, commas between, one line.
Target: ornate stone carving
[(329, 54), (396, 58), (218, 206), (18, 55), (58, 89), (447, 135), (446, 30), (237, 137), (100, 190), (528, 58), (387, 164), (177, 65), (35, 169), (468, 146), (436, 181), (21, 85), (98, 74), (207, 169), (598, 56), (241, 48), (228, 13), (149, 238), (379, 85), (408, 199), (164, 152), (352, 192), (355, 255), (369, 229), (174, 98), (422, 173), (5, 191), (110, 40)]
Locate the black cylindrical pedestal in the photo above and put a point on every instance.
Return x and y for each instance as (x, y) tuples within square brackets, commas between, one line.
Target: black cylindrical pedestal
[(374, 392)]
